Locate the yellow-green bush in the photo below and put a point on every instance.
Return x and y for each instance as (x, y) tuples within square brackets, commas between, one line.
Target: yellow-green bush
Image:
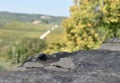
[(110, 17), (89, 24), (80, 26)]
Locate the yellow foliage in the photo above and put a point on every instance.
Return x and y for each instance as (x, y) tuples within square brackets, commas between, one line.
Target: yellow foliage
[(81, 27)]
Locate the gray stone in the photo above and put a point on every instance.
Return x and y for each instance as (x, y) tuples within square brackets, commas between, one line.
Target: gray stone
[(20, 69), (112, 44), (65, 63), (91, 66), (32, 65), (113, 40)]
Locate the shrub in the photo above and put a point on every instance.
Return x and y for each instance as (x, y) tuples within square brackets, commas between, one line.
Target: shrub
[(25, 48), (90, 23)]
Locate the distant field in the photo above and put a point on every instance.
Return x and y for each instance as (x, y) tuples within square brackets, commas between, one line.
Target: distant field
[(21, 26), (17, 30), (14, 35)]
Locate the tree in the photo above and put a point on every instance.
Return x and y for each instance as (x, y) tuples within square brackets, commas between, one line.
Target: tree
[(80, 26), (110, 13), (89, 24)]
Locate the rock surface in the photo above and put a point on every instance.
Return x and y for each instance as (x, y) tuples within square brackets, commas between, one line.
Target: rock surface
[(93, 66), (112, 44)]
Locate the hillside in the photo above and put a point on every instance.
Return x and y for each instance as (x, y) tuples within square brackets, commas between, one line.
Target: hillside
[(16, 30), (15, 27), (6, 17)]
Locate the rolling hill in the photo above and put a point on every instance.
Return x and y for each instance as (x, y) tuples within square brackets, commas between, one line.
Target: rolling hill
[(14, 26), (17, 25), (6, 17)]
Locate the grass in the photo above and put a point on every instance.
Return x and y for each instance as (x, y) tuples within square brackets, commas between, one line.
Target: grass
[(15, 35), (17, 30), (4, 64), (21, 26), (14, 31)]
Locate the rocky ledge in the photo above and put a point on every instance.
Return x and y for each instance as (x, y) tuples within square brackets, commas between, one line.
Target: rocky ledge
[(93, 66)]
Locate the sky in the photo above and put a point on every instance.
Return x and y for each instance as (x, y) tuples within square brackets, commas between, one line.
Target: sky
[(47, 7)]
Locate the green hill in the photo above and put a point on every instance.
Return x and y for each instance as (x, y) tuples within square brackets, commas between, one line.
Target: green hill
[(6, 17)]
